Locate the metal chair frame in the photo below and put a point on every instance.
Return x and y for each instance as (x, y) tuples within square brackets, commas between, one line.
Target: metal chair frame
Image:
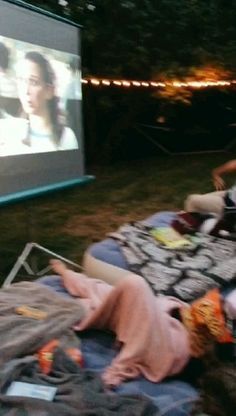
[(23, 261)]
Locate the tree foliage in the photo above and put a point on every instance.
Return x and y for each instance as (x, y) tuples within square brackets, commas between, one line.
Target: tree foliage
[(142, 38)]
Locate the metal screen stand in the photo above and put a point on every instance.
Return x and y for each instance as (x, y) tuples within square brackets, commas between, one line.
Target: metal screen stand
[(22, 262)]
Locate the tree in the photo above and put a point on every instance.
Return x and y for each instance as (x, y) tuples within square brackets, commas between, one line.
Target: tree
[(144, 37)]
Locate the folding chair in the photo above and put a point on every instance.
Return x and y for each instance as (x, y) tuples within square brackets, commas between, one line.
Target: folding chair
[(23, 262)]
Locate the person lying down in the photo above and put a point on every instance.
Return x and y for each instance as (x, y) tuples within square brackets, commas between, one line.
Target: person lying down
[(156, 336)]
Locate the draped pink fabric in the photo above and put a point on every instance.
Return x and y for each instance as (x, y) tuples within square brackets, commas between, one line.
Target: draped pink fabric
[(153, 343)]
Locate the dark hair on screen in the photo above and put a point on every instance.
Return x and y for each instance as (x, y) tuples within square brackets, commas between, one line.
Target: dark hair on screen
[(74, 63), (4, 56), (48, 77)]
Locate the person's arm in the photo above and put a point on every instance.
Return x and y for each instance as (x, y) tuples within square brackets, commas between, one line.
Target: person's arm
[(217, 173)]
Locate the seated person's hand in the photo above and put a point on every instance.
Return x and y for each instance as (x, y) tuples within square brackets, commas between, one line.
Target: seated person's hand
[(218, 182)]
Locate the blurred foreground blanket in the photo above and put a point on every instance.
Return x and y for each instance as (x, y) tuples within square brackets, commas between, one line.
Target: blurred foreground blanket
[(79, 392), (31, 315)]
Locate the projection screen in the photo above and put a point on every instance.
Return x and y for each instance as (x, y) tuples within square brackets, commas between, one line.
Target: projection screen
[(41, 134)]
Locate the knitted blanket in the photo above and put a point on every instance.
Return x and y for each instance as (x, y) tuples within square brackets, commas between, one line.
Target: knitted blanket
[(186, 273)]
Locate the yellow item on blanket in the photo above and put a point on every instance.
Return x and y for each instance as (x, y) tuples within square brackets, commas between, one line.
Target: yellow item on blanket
[(30, 312), (169, 237)]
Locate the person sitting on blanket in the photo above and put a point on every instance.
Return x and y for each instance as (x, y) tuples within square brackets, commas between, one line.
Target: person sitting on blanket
[(214, 202), (220, 202), (157, 336)]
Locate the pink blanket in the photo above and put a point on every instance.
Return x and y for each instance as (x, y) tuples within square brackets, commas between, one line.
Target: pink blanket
[(152, 342)]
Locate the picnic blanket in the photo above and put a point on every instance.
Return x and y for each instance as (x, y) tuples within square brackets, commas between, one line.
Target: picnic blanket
[(187, 272)]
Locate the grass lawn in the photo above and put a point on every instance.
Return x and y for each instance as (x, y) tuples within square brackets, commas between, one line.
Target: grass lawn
[(68, 221)]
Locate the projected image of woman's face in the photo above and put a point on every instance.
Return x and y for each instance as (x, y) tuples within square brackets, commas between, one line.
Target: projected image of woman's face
[(46, 97), (34, 92)]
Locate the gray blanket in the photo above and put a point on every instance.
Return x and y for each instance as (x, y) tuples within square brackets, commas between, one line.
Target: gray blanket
[(49, 316), (79, 392)]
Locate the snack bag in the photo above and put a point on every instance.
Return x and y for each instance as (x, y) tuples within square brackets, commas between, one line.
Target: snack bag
[(70, 345)]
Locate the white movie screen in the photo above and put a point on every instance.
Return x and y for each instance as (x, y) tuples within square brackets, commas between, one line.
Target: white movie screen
[(41, 135)]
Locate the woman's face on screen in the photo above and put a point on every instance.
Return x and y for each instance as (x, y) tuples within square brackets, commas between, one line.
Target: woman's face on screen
[(34, 93)]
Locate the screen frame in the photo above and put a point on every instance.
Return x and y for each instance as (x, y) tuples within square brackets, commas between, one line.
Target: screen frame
[(42, 190), (51, 187), (37, 9)]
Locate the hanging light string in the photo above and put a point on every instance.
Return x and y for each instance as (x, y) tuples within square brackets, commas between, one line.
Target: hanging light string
[(155, 84)]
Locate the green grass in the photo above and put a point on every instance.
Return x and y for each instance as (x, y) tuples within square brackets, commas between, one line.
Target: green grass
[(67, 222)]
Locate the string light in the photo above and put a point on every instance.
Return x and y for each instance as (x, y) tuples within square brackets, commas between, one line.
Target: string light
[(106, 82), (126, 83), (94, 81), (157, 84)]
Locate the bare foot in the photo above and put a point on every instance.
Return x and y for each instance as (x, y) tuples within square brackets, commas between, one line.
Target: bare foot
[(58, 266)]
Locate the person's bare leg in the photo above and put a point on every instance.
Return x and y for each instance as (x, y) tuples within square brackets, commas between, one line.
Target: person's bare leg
[(74, 282), (78, 284), (212, 202), (58, 266)]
